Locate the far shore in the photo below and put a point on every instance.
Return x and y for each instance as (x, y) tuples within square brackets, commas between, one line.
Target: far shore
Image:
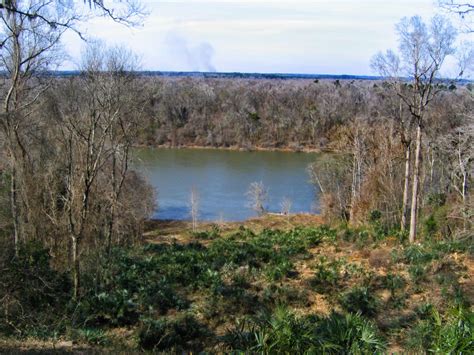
[(242, 149)]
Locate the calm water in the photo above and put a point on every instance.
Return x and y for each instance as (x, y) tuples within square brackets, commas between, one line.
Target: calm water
[(221, 179)]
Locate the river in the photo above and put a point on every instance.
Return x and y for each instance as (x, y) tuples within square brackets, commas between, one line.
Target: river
[(221, 179)]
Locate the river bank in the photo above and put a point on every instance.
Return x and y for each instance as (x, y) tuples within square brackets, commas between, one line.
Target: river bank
[(257, 148)]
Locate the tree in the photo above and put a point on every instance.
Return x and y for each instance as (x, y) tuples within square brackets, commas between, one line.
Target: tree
[(464, 9), (29, 41), (258, 196), (66, 14), (413, 73), (28, 48), (97, 130), (194, 206)]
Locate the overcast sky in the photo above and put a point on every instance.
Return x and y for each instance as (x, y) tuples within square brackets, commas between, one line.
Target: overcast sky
[(297, 36)]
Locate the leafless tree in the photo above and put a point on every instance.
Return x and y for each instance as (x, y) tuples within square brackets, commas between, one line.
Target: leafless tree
[(28, 48), (285, 206), (194, 207), (413, 72), (257, 195), (67, 14), (464, 9)]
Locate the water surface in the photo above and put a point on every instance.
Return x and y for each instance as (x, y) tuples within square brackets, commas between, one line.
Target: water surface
[(221, 179)]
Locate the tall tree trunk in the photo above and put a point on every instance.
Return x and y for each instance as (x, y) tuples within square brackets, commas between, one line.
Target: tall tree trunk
[(76, 272), (416, 177), (14, 207), (406, 186), (465, 203)]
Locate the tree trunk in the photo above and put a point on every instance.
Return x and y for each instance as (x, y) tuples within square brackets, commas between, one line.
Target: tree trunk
[(416, 177), (465, 204), (76, 273), (14, 208), (406, 186)]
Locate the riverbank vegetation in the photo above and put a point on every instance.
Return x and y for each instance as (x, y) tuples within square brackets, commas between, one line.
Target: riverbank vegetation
[(82, 267)]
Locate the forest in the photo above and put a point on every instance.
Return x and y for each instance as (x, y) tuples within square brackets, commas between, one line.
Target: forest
[(386, 267)]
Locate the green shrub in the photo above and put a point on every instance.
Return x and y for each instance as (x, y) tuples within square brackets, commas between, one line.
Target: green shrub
[(396, 285), (32, 293), (279, 270), (430, 226), (327, 273), (417, 273), (360, 300), (349, 334), (452, 333), (285, 333)]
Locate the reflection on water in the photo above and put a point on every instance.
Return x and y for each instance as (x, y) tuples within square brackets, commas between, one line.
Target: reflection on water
[(221, 178)]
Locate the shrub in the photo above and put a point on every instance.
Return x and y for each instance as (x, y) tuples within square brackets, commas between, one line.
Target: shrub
[(279, 270), (32, 293), (349, 334), (360, 300), (417, 273), (327, 274), (285, 333), (452, 333)]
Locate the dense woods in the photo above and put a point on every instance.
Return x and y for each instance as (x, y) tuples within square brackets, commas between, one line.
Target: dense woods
[(79, 258)]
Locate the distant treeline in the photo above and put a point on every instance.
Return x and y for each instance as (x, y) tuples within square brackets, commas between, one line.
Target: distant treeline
[(248, 113), (232, 75)]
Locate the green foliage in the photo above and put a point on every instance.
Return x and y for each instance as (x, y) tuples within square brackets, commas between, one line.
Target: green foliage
[(396, 285), (350, 334), (417, 274), (327, 273), (283, 332), (150, 281), (437, 199), (375, 216), (184, 333), (279, 270), (31, 292), (430, 226), (452, 333), (360, 300)]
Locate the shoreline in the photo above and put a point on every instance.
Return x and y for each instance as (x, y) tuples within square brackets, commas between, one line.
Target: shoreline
[(240, 149)]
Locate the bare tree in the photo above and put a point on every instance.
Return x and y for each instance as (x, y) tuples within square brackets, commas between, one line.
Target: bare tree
[(423, 50), (285, 206), (458, 147), (31, 34), (28, 48), (332, 174), (463, 9), (194, 207), (257, 195), (128, 12)]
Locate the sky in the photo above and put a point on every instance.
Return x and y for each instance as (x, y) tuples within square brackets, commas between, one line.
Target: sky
[(292, 36)]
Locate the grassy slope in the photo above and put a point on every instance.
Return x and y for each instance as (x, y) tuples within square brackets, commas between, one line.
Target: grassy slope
[(403, 280), (392, 285)]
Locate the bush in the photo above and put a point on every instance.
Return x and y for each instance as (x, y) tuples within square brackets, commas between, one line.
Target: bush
[(360, 300), (452, 333), (350, 334), (33, 294), (285, 333)]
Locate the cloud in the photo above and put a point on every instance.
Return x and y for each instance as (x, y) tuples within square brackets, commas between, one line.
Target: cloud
[(196, 57)]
